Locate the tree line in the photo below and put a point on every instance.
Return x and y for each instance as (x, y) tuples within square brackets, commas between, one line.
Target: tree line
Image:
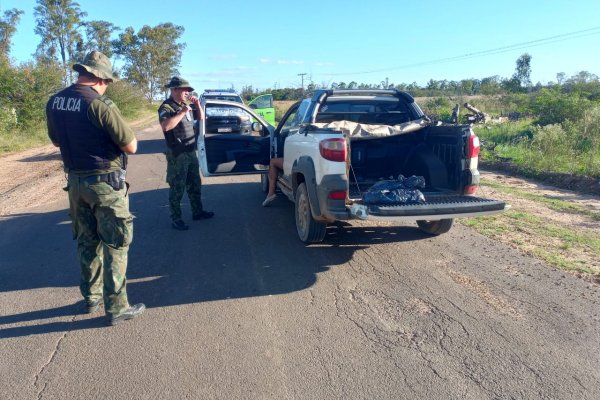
[(150, 55)]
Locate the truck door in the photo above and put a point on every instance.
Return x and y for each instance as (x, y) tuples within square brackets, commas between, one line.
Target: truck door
[(263, 105), (234, 152)]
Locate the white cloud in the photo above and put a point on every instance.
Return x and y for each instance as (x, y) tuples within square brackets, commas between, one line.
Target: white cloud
[(295, 62), (226, 56), (265, 60)]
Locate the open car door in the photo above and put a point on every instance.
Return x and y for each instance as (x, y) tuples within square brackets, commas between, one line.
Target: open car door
[(226, 146), (263, 105)]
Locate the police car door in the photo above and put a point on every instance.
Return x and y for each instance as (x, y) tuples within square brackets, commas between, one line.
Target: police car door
[(263, 105), (233, 140)]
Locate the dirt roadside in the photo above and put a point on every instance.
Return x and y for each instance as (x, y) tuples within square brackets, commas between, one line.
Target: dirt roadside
[(35, 177)]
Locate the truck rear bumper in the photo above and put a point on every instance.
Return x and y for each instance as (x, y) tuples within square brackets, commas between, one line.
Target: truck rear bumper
[(435, 217), (435, 208)]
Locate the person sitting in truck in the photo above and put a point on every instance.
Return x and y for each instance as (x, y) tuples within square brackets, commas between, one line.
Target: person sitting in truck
[(275, 165)]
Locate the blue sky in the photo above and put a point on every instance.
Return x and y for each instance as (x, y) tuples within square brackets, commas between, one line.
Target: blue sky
[(267, 44)]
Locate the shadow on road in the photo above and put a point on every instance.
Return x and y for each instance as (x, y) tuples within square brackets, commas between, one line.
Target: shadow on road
[(244, 251), (151, 146)]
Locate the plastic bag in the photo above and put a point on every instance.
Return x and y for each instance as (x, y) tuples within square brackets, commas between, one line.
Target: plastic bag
[(399, 191)]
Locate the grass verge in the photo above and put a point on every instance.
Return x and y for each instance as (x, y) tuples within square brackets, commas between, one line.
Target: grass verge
[(565, 246)]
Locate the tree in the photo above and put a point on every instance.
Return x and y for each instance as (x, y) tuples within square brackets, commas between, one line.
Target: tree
[(151, 56), (58, 23), (98, 37), (523, 71), (8, 27), (433, 87), (512, 85), (470, 86), (490, 85), (247, 92)]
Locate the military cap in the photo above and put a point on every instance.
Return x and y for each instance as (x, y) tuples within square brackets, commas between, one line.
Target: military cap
[(177, 82), (98, 65)]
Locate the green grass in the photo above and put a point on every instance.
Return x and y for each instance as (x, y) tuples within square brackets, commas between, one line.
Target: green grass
[(543, 239), (556, 247), (552, 203), (18, 140), (569, 148)]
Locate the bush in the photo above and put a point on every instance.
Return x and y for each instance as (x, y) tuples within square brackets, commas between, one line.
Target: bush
[(130, 100), (553, 107), (584, 137), (439, 108)]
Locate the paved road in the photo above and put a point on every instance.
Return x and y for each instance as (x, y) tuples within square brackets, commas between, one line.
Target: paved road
[(239, 308)]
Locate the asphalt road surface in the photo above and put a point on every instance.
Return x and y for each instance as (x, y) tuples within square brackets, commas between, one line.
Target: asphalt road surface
[(239, 308)]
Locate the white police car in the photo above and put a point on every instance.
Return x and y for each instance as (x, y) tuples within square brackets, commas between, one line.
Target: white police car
[(221, 118)]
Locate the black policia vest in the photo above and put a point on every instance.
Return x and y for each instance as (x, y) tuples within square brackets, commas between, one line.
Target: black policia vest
[(181, 138), (83, 146)]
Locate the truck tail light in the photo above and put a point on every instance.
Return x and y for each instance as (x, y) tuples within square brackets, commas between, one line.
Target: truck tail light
[(339, 195), (470, 189), (333, 149), (473, 150)]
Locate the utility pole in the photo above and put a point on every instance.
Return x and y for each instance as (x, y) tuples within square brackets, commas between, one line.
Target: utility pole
[(302, 75)]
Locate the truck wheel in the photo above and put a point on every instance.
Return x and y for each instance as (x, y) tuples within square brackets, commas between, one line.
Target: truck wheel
[(309, 230), (264, 183), (435, 227)]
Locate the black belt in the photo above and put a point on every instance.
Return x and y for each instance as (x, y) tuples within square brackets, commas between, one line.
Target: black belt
[(116, 179), (110, 177)]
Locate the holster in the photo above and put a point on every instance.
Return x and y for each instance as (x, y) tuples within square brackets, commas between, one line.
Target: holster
[(115, 179)]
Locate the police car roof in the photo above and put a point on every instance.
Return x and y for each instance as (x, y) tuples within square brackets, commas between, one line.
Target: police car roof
[(219, 90)]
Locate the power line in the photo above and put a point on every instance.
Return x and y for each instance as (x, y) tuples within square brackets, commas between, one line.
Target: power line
[(498, 50)]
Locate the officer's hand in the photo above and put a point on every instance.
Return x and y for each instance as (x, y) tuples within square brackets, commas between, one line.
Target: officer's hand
[(194, 99), (186, 108)]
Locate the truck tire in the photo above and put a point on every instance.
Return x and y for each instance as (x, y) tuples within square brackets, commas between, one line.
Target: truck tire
[(264, 183), (309, 230), (435, 227)]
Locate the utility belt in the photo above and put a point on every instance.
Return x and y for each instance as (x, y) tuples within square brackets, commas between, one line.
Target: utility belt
[(115, 179), (177, 150)]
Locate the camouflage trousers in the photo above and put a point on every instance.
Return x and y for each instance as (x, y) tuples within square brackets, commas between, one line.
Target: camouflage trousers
[(183, 174), (103, 228)]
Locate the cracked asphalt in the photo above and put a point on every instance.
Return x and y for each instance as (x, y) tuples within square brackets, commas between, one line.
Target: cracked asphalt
[(239, 308)]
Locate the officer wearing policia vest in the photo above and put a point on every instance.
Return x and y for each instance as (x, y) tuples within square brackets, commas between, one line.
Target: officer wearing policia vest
[(183, 169), (94, 141)]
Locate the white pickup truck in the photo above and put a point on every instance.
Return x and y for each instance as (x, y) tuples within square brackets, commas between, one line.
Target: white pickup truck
[(338, 144)]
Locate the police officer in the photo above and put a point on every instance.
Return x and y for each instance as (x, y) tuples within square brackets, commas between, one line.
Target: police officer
[(183, 169), (94, 141)]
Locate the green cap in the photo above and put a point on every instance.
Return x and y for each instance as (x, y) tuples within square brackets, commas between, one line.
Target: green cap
[(177, 82), (98, 65)]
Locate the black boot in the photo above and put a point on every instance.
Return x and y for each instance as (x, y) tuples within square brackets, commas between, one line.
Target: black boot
[(130, 313), (179, 225), (203, 215), (91, 306)]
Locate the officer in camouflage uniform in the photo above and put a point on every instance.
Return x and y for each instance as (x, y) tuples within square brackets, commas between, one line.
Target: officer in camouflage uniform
[(183, 169), (94, 141)]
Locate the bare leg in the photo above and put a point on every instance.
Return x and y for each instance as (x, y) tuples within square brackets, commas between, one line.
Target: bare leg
[(275, 166)]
